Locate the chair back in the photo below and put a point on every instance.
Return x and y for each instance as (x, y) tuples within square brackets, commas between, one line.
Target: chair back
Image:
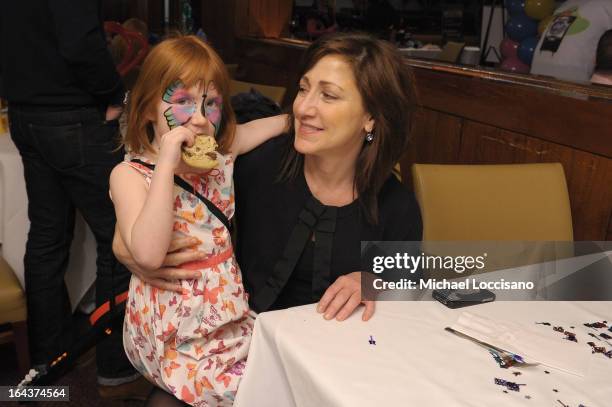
[(493, 202), (12, 297)]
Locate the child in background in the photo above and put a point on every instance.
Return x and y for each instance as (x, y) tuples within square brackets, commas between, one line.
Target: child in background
[(192, 345), (603, 62)]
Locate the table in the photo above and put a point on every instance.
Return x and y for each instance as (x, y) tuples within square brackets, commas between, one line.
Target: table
[(299, 359), (14, 225)]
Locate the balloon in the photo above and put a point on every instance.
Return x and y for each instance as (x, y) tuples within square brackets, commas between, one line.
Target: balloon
[(521, 27), (543, 25), (515, 7), (526, 50), (508, 48), (539, 9), (514, 65)]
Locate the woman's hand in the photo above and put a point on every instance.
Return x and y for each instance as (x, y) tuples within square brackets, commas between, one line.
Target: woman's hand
[(342, 297), (166, 277)]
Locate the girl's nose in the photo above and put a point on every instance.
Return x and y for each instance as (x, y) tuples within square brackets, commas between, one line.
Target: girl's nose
[(199, 118)]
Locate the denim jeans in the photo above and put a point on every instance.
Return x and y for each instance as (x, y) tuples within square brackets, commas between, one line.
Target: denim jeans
[(67, 158)]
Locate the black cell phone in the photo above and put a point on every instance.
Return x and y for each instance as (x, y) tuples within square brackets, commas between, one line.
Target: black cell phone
[(463, 298)]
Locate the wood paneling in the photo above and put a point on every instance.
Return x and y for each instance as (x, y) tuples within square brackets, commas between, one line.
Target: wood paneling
[(269, 63), (522, 109), (218, 21), (435, 138), (589, 177)]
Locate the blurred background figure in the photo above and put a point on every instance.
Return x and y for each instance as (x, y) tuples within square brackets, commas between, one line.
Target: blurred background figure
[(321, 19), (64, 98), (603, 62), (118, 48), (118, 45)]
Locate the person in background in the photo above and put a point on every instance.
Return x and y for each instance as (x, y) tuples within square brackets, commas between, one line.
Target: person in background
[(603, 62), (65, 97), (118, 48), (321, 19), (568, 46)]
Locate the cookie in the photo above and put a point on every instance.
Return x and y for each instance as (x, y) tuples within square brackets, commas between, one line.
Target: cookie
[(202, 154)]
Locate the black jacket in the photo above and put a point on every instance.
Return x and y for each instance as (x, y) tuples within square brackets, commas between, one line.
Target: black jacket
[(267, 212), (53, 55)]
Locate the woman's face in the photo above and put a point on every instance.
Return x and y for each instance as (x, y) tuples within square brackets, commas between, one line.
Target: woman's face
[(196, 108), (329, 115)]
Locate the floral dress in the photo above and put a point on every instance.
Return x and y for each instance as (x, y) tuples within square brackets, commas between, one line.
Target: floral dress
[(194, 345)]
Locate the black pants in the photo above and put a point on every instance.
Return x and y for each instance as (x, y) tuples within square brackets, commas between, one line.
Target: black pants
[(67, 159)]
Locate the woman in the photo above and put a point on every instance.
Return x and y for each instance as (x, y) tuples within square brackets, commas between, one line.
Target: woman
[(306, 200)]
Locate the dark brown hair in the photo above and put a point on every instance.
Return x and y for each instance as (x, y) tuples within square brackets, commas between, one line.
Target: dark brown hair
[(385, 84), (604, 52)]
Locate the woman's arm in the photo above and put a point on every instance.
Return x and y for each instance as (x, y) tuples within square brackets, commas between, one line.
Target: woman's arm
[(251, 134), (166, 277)]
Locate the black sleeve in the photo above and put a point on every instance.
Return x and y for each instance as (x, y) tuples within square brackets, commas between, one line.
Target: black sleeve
[(82, 44), (400, 221), (262, 161), (400, 213)]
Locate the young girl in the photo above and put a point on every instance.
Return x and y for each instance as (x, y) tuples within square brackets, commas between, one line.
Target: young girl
[(192, 345)]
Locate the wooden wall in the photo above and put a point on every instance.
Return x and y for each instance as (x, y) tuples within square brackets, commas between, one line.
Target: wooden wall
[(270, 62), (225, 20), (221, 20), (479, 117)]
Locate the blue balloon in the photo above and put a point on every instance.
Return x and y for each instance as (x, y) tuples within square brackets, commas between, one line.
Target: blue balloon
[(515, 7), (521, 27), (526, 49)]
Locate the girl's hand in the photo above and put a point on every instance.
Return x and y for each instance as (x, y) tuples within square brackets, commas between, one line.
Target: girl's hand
[(166, 277), (342, 297), (171, 144)]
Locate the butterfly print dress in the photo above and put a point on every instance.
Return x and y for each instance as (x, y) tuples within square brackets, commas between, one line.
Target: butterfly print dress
[(194, 345)]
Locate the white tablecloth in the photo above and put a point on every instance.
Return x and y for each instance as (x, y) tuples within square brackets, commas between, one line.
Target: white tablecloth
[(14, 227), (299, 359)]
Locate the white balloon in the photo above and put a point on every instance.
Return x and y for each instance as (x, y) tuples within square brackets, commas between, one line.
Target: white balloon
[(574, 58)]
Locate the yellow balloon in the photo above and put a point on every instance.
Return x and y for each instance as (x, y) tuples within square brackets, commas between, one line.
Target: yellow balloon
[(539, 9), (543, 25)]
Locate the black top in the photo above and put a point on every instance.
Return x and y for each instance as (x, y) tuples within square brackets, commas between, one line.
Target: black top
[(53, 54), (267, 212)]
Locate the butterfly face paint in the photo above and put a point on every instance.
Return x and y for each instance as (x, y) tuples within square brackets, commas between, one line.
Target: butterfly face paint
[(182, 105), (213, 106)]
